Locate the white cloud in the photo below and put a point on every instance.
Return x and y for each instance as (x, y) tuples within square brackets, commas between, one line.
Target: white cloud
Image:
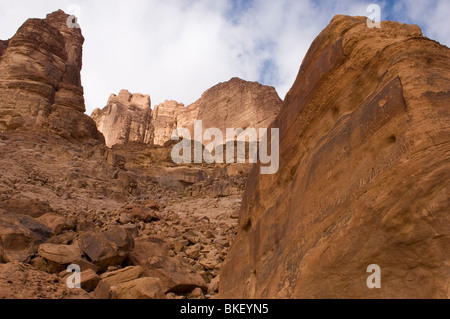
[(432, 16), (177, 49)]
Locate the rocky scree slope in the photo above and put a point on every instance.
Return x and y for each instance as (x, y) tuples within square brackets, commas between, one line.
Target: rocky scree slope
[(65, 198)]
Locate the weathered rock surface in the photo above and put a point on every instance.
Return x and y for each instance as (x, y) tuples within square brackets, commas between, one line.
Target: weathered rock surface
[(363, 178), (142, 288), (164, 120), (3, 46), (2, 255), (43, 174), (89, 280), (364, 171), (233, 104), (40, 84), (32, 208), (111, 279), (79, 186), (107, 249), (125, 119), (20, 236), (57, 223), (175, 273), (21, 281), (59, 256)]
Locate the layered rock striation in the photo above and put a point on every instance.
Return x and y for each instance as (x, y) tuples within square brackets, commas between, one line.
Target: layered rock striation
[(233, 104), (363, 179), (165, 119), (40, 84), (125, 119)]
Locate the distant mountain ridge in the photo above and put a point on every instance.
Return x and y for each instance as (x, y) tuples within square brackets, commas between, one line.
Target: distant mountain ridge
[(233, 104)]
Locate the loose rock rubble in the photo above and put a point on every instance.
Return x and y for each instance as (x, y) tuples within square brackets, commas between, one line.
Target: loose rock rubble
[(145, 240)]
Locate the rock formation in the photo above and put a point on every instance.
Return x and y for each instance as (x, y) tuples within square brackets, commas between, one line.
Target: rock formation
[(164, 120), (233, 104), (40, 84), (363, 179), (65, 198), (125, 119)]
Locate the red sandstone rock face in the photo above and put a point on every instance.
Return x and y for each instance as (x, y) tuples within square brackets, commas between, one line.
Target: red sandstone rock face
[(363, 179), (3, 45), (233, 104), (164, 122), (125, 119), (40, 83), (73, 201)]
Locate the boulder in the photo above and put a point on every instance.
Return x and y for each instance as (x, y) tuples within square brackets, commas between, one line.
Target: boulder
[(144, 214), (86, 265), (59, 256), (108, 248), (122, 275), (57, 223), (214, 285), (142, 288), (193, 251), (175, 273), (180, 245), (20, 236), (22, 281), (197, 293), (89, 280), (63, 239), (114, 278)]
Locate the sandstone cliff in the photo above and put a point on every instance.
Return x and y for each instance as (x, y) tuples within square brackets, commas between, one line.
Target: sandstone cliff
[(40, 85), (364, 173), (233, 104), (126, 118), (165, 118), (136, 225)]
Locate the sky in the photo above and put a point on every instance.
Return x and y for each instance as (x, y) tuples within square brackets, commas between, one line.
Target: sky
[(177, 49)]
